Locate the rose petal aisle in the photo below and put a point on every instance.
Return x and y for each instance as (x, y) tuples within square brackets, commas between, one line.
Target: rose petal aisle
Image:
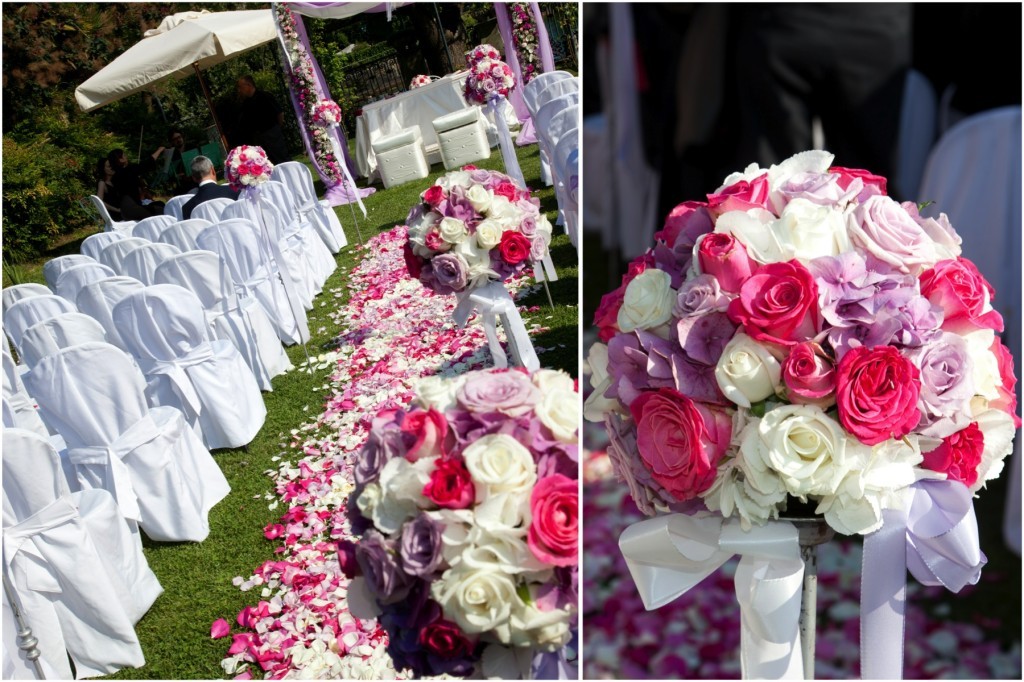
[(392, 332)]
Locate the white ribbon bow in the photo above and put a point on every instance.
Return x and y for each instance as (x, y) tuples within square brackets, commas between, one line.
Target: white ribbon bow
[(669, 555), (493, 301), (18, 540)]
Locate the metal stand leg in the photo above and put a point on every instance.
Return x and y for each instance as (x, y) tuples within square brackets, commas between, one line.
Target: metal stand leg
[(813, 532), (26, 641), (355, 222), (548, 291)]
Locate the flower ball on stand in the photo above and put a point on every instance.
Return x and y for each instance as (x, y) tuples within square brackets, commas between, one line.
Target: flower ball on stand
[(247, 167), (419, 81)]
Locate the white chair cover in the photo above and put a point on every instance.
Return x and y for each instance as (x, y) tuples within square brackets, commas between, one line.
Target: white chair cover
[(299, 180), (242, 321), (174, 204), (17, 292), (109, 224), (150, 228), (141, 263), (535, 87), (94, 243), (97, 300), (566, 160), (556, 89), (26, 312), (239, 245), (297, 227), (153, 464), (73, 279), (561, 123), (211, 209), (19, 409), (80, 577), (184, 234), (542, 122), (165, 328), (55, 267), (113, 254), (49, 336)]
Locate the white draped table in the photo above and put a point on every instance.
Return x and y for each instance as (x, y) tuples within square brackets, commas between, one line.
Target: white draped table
[(415, 108)]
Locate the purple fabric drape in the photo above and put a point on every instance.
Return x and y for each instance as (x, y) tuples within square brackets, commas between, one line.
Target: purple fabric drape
[(527, 134)]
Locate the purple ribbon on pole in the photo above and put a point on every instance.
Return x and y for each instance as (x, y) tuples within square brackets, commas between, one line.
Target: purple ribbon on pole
[(935, 537)]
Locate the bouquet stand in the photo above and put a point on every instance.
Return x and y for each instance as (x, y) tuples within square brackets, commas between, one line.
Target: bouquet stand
[(813, 531), (494, 303)]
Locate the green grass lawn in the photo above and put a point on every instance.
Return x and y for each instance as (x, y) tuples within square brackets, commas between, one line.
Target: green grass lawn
[(197, 578)]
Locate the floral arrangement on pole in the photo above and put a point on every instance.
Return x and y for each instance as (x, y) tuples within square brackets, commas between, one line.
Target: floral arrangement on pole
[(802, 336), (247, 167), (482, 51), (326, 113), (468, 509), (524, 37), (488, 78), (474, 226), (419, 81)]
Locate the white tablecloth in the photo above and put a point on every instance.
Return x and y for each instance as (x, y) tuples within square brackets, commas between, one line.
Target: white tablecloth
[(417, 107)]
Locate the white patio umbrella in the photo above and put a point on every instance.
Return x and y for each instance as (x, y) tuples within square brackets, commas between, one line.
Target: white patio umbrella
[(183, 44)]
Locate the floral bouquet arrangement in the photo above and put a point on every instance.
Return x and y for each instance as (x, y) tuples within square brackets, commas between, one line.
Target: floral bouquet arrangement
[(419, 81), (802, 342), (472, 227), (326, 113), (488, 78), (468, 508), (482, 51), (247, 166)]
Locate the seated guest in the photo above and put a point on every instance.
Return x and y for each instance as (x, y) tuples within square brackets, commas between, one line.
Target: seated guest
[(205, 176), (183, 184), (136, 200), (105, 189)]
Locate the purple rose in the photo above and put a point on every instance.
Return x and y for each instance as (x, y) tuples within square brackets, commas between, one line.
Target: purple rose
[(480, 176), (821, 189), (450, 272), (947, 385), (487, 85), (528, 227), (538, 248), (510, 393), (420, 548), (884, 229), (528, 207), (383, 444), (384, 577), (700, 296), (939, 229)]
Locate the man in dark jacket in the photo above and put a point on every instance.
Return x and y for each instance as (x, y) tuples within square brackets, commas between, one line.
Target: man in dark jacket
[(205, 176), (260, 121)]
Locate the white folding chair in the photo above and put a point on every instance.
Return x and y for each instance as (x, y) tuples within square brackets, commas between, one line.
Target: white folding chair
[(94, 243), (141, 263), (165, 329), (148, 458), (174, 204), (242, 321), (299, 180), (65, 330), (97, 300), (211, 209), (535, 87), (184, 234), (150, 228), (19, 408), (72, 281), (109, 224), (29, 311), (566, 165), (17, 292), (78, 572), (113, 254), (55, 267), (298, 228), (239, 245)]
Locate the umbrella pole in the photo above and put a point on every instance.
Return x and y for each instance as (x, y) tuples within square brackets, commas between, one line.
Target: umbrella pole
[(209, 103)]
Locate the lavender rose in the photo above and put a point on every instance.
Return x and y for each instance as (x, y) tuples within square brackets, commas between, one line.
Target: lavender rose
[(450, 272), (385, 578), (420, 549), (884, 229), (700, 296), (947, 385), (510, 393), (383, 444), (819, 188), (480, 176)]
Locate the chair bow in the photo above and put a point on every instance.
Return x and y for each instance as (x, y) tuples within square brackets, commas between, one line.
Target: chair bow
[(493, 301), (18, 540), (176, 370)]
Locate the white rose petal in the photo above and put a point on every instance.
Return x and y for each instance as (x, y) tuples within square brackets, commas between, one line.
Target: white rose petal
[(453, 230), (648, 301), (747, 372), (998, 430), (810, 231), (753, 229), (499, 463)]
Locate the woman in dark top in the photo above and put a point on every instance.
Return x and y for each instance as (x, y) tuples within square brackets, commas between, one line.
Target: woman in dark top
[(132, 187), (110, 197)]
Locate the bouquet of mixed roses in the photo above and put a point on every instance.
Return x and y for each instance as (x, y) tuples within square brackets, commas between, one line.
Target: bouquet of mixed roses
[(419, 81), (482, 51), (488, 78), (326, 113), (803, 336), (468, 508), (472, 227), (247, 166)]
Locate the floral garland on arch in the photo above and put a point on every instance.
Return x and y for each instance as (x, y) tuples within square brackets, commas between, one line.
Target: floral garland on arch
[(304, 82), (524, 37)]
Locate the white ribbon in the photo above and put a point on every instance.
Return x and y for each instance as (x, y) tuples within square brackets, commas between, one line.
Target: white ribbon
[(493, 301), (176, 371), (18, 540), (495, 103), (669, 555)]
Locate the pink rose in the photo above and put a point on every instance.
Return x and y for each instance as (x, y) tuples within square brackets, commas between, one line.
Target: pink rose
[(959, 455), (1007, 400), (873, 183), (809, 375), (679, 441), (962, 292), (514, 248), (445, 640), (427, 431), (451, 485), (554, 507), (740, 196), (434, 195), (778, 304), (413, 263), (606, 317), (876, 393), (433, 240), (690, 218), (507, 190), (725, 258)]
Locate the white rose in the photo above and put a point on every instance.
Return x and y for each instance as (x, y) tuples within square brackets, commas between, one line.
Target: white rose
[(648, 301), (596, 405), (473, 253), (752, 460), (503, 548), (368, 500), (559, 410), (438, 391), (401, 487), (987, 379), (814, 161), (456, 525), (488, 234), (453, 230), (455, 179), (753, 229), (733, 493), (544, 630), (544, 228), (552, 379), (501, 209), (503, 512), (808, 231), (480, 198), (479, 274), (747, 372), (478, 600), (499, 463)]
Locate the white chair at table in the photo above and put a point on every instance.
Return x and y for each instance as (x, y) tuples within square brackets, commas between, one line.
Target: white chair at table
[(150, 228), (400, 157), (95, 243), (174, 204), (26, 312), (242, 321), (78, 572), (165, 329), (55, 267), (298, 228), (239, 245), (109, 224), (141, 263), (184, 234), (297, 177), (63, 331), (211, 209), (17, 292), (155, 466), (286, 251), (72, 281), (97, 300), (113, 254)]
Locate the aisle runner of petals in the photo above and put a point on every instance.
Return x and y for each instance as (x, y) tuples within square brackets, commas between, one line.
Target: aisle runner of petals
[(393, 331)]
